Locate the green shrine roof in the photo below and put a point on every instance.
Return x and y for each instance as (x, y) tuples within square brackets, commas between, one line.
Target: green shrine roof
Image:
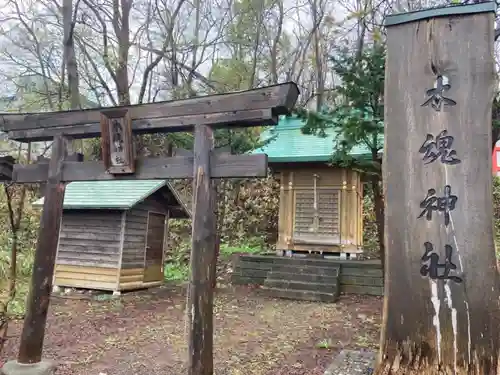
[(291, 145), (118, 194)]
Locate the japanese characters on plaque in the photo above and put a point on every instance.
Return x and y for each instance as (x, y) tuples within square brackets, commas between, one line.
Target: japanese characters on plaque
[(438, 148), (117, 150), (116, 142)]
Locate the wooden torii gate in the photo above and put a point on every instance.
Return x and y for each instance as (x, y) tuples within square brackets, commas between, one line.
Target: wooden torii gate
[(116, 127)]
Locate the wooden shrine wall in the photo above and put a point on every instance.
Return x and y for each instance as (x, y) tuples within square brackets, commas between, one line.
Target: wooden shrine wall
[(105, 249), (339, 198), (88, 254), (134, 243)]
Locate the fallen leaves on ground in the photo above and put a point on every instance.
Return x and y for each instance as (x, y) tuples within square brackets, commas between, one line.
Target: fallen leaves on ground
[(145, 333)]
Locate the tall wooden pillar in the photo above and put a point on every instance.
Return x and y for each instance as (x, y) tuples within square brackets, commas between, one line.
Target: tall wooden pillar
[(442, 306), (203, 251), (30, 350)]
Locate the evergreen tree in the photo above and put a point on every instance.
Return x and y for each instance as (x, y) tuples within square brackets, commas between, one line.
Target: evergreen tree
[(357, 119)]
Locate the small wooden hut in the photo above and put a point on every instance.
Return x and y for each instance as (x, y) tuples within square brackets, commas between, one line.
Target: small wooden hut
[(113, 234), (320, 205)]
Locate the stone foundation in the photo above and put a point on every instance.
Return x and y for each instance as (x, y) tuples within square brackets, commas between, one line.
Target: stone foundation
[(40, 368)]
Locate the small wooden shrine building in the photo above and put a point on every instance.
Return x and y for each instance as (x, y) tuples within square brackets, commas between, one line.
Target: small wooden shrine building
[(320, 205), (113, 234)]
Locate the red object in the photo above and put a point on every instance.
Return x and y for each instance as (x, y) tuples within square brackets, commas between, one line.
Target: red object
[(496, 159)]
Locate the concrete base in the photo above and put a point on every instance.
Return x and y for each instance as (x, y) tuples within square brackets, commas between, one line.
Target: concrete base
[(353, 362), (40, 368)]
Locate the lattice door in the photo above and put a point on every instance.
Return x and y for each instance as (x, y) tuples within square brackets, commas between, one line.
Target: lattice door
[(328, 213)]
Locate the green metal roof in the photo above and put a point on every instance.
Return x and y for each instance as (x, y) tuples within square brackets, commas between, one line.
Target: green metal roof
[(117, 194), (291, 145), (441, 11)]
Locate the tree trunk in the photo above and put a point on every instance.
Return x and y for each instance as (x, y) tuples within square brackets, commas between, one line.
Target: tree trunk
[(442, 306), (121, 25), (70, 60), (275, 44), (317, 17), (69, 53)]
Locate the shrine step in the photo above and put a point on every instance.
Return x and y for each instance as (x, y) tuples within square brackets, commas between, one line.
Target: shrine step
[(295, 269), (344, 255), (303, 282), (304, 295), (354, 276), (300, 277), (332, 288), (310, 261), (285, 264)]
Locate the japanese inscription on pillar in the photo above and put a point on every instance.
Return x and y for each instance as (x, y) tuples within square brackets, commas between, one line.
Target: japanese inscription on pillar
[(433, 203), (436, 95), (439, 149)]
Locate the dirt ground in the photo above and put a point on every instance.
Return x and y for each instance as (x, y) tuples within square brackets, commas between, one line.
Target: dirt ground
[(143, 333)]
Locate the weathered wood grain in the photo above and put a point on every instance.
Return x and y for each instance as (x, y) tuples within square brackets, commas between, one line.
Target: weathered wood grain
[(244, 118), (452, 328), (88, 248), (281, 98), (154, 247), (302, 295), (95, 277), (30, 350), (84, 228), (336, 196), (94, 236), (87, 244), (121, 117), (356, 277), (184, 152), (221, 166), (200, 297), (246, 108), (136, 221), (6, 167), (295, 284), (319, 262)]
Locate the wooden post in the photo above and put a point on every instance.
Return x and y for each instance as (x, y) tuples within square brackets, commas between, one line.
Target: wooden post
[(200, 301), (30, 350), (442, 306)]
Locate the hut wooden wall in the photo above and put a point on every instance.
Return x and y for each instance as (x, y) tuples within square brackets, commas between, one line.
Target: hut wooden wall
[(339, 198), (134, 243), (88, 254)]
